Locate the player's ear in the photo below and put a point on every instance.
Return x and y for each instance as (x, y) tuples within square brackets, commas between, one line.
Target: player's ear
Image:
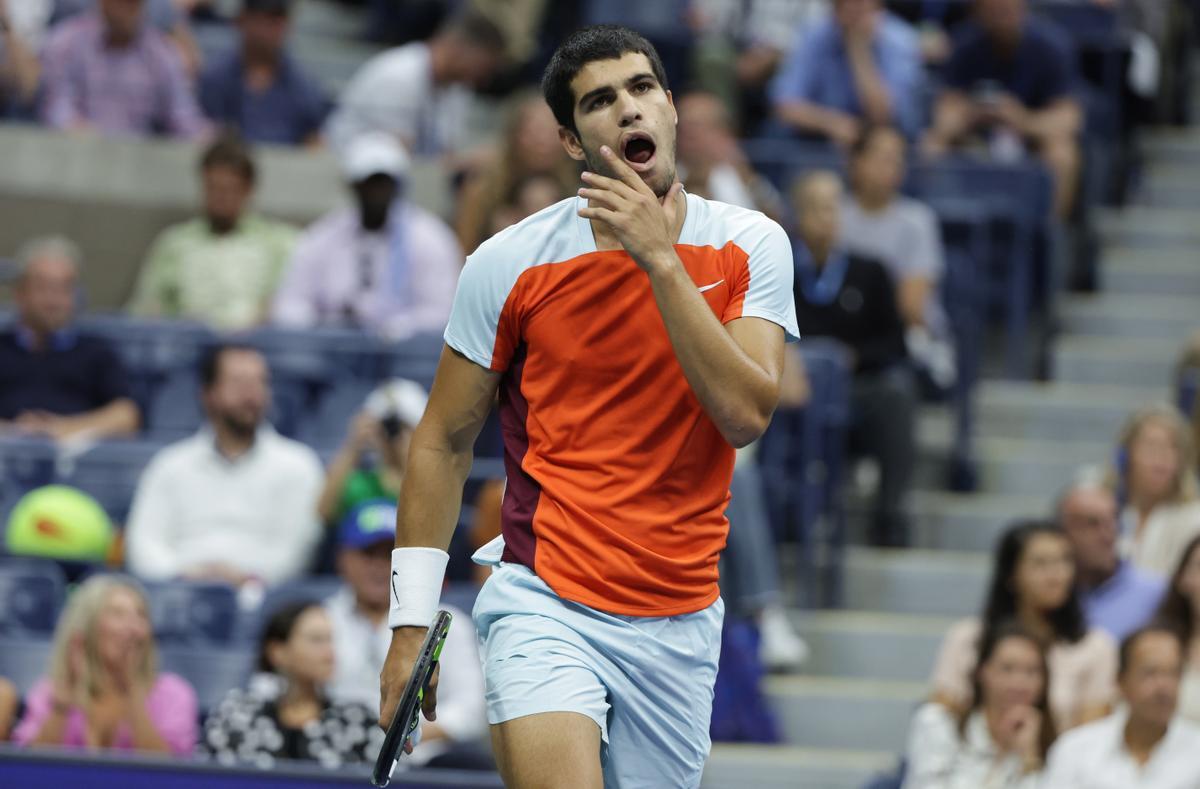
[(570, 142), (674, 112)]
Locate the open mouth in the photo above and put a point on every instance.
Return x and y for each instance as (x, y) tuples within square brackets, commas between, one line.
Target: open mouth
[(637, 149)]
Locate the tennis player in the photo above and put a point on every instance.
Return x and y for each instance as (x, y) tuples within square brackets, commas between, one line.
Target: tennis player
[(635, 334)]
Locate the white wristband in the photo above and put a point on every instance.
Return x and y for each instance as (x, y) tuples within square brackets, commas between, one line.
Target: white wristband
[(417, 575)]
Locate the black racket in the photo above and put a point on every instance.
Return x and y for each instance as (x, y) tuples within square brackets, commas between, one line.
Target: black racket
[(408, 711)]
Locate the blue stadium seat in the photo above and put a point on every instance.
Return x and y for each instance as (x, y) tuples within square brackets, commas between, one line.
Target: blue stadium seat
[(318, 588), (25, 464), (782, 160), (326, 426), (110, 471), (211, 671), (31, 594), (415, 359), (25, 659), (187, 613)]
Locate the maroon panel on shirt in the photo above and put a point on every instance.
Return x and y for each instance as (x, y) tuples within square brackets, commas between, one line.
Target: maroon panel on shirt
[(521, 492)]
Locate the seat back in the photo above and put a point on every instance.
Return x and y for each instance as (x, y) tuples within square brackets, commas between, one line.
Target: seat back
[(193, 613), (32, 592)]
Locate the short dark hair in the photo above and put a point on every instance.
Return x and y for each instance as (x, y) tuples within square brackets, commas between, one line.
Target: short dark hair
[(478, 30), (597, 42), (210, 360), (228, 150), (278, 630), (1002, 605), (1131, 641), (864, 139)]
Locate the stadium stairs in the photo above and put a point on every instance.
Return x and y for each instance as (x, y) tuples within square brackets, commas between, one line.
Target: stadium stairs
[(845, 717)]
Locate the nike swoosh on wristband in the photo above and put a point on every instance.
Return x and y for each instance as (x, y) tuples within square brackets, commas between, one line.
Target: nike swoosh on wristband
[(710, 287), (395, 594)]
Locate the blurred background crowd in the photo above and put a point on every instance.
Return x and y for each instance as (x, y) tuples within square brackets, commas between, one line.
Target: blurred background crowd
[(231, 234)]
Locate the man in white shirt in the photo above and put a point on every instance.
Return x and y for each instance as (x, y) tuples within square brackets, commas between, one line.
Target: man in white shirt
[(236, 502), (421, 92), (361, 638), (1144, 746), (384, 265)]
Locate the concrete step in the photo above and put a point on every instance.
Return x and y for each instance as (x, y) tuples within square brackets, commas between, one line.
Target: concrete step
[(741, 766), (828, 712), (1017, 466), (911, 581), (870, 644), (1060, 411), (1118, 361), (1156, 317), (1151, 273), (1151, 226), (968, 522)]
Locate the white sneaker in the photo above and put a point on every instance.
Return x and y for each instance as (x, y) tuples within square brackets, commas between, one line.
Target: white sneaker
[(780, 648)]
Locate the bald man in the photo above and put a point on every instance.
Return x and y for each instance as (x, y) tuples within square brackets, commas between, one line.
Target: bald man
[(851, 299)]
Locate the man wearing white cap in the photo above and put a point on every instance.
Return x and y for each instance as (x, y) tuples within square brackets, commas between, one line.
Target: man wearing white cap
[(384, 265)]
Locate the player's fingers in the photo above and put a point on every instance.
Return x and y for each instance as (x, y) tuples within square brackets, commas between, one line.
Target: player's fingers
[(429, 705), (623, 171), (606, 215), (597, 181), (604, 197)]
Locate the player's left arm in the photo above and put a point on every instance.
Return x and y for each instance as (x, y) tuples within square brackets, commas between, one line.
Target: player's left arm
[(734, 369)]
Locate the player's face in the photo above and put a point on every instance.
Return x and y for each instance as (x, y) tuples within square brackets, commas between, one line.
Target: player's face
[(620, 103)]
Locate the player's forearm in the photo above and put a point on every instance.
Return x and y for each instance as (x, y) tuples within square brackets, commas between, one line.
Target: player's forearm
[(734, 390), (431, 495)]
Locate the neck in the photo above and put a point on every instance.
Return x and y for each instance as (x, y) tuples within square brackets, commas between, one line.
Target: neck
[(39, 337), (258, 58), (118, 40), (232, 444), (1142, 504), (300, 692), (1141, 737), (606, 239), (873, 203), (1095, 577), (1036, 622)]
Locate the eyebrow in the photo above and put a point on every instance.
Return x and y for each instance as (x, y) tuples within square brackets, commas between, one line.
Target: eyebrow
[(604, 89)]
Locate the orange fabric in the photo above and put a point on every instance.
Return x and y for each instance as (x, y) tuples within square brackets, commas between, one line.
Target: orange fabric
[(633, 475)]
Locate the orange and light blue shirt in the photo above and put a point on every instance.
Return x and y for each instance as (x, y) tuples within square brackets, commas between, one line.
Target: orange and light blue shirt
[(617, 478)]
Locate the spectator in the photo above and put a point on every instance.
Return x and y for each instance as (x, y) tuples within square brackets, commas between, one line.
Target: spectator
[(421, 92), (259, 90), (861, 66), (237, 501), (383, 428), (361, 638), (53, 380), (1010, 78), (903, 234), (106, 70), (1002, 740), (166, 16), (1117, 597), (9, 699), (104, 689), (710, 162), (526, 197), (1143, 746), (1153, 477), (221, 268), (284, 712), (386, 265), (529, 149), (1181, 612), (1033, 582), (19, 66), (850, 299)]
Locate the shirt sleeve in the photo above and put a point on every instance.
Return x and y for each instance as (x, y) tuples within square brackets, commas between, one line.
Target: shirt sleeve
[(900, 66), (175, 713), (765, 288), (436, 259), (956, 657), (295, 515), (148, 538), (484, 323), (295, 301), (110, 382), (796, 78), (1056, 78), (933, 745)]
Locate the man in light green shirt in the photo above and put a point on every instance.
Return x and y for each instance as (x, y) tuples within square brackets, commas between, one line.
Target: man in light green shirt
[(221, 268)]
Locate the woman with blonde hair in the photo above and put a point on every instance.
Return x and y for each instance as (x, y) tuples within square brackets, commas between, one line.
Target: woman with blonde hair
[(104, 690), (1153, 478)]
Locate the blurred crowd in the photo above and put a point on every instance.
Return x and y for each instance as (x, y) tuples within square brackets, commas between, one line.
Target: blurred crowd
[(1091, 608)]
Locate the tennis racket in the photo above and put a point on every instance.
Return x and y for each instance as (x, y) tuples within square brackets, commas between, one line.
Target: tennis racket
[(408, 711)]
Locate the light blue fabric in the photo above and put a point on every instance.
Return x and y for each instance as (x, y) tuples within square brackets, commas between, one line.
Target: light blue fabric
[(647, 682), (1125, 602), (818, 71)]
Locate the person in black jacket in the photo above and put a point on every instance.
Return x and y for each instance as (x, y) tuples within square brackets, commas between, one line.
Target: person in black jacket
[(850, 298)]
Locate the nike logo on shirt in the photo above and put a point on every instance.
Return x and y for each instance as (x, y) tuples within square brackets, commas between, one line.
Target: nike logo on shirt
[(710, 287)]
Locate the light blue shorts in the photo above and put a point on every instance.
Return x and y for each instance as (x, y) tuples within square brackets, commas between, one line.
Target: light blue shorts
[(647, 682)]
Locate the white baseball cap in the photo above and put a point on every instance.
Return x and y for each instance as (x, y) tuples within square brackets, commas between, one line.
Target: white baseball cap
[(399, 397), (374, 153)]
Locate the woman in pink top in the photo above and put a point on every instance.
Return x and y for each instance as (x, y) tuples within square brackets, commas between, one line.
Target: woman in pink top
[(104, 689), (1033, 582)]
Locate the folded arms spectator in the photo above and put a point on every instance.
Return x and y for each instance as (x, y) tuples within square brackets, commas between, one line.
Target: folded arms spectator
[(237, 501), (221, 268), (109, 71), (53, 380), (1010, 79), (104, 689), (258, 89), (861, 66)]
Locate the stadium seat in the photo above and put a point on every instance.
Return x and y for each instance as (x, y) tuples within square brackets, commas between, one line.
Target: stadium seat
[(110, 471), (325, 427), (211, 671), (187, 613), (25, 463), (31, 594), (317, 588), (25, 659)]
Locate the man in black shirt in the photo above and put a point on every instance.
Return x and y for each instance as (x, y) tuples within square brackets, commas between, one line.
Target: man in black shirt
[(852, 299), (54, 382)]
